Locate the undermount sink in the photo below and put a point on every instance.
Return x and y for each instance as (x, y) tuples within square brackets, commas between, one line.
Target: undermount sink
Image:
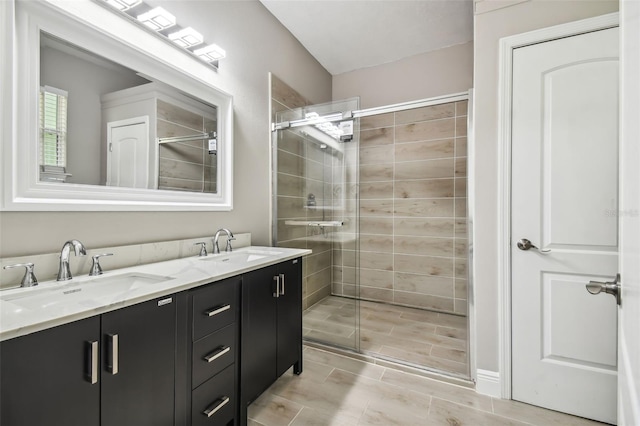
[(240, 257), (89, 291)]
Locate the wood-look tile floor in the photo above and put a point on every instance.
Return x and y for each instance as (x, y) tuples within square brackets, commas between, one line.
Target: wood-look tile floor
[(423, 338), (338, 390)]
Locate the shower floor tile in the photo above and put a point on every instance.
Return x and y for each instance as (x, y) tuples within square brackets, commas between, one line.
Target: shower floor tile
[(427, 339)]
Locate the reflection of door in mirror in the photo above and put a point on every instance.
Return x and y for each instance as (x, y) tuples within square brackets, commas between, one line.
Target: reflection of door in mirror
[(127, 153), (180, 128)]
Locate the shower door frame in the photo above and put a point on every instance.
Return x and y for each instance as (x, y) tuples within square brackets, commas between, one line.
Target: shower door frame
[(367, 112)]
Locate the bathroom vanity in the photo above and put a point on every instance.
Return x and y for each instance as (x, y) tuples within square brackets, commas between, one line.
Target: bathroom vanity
[(193, 349)]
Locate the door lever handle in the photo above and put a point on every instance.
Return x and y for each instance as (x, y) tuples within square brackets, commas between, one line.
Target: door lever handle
[(525, 244), (613, 287)]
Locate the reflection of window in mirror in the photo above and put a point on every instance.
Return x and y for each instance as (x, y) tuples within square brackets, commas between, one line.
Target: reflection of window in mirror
[(53, 134)]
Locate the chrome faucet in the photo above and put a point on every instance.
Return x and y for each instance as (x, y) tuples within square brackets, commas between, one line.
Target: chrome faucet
[(63, 271), (230, 237)]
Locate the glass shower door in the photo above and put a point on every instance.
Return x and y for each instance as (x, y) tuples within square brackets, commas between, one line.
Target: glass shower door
[(315, 178)]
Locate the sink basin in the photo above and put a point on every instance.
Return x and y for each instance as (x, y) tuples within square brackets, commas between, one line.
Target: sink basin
[(89, 292), (240, 257)]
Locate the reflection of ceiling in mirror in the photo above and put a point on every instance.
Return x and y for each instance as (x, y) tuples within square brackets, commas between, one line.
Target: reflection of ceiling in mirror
[(52, 42)]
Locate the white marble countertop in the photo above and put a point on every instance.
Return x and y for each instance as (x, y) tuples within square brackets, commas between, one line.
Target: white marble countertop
[(182, 274)]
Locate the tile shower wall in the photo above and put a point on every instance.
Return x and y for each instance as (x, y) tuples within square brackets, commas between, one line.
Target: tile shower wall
[(301, 169), (413, 207), (185, 166)]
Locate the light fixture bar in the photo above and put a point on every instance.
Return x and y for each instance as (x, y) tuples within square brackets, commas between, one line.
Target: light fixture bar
[(186, 37), (211, 53), (123, 5), (157, 19)]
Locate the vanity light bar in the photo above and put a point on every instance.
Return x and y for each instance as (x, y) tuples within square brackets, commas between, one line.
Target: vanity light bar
[(123, 4), (157, 19), (211, 53), (187, 37)]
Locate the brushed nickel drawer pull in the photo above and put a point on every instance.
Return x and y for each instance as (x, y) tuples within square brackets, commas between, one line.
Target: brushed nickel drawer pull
[(276, 278), (113, 351), (92, 361), (216, 406), (217, 354), (217, 310)]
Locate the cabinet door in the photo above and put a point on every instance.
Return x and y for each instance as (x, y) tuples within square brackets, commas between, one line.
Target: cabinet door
[(258, 349), (138, 371), (290, 316), (45, 377)]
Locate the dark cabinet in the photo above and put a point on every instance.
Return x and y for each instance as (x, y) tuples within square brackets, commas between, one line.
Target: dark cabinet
[(289, 309), (45, 377), (113, 369), (137, 375), (214, 351), (195, 358), (271, 330)]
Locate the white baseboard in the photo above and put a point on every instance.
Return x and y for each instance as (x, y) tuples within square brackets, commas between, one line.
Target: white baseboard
[(488, 383)]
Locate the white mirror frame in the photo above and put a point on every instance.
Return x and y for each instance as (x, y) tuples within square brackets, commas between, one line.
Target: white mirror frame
[(93, 27)]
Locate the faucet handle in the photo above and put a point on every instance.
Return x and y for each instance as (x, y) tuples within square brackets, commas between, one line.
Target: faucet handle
[(203, 248), (29, 279), (96, 269)]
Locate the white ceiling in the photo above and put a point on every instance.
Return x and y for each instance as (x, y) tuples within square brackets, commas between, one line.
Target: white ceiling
[(345, 35)]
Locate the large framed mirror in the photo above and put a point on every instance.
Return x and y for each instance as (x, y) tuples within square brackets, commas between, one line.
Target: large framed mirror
[(111, 120)]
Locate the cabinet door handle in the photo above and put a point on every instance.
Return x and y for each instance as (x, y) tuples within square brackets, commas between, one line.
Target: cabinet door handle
[(112, 351), (217, 353), (217, 310), (217, 405), (276, 293), (282, 286), (92, 362)]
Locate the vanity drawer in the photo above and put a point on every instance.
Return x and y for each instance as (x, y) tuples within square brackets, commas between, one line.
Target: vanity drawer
[(213, 402), (215, 306), (213, 353)]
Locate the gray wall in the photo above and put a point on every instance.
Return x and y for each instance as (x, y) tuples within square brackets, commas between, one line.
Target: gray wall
[(494, 20), (440, 72), (256, 43)]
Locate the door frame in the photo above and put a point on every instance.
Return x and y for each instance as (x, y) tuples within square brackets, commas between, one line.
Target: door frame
[(507, 45)]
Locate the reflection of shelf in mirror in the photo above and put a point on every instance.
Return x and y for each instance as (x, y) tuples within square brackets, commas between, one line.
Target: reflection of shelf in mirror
[(336, 208), (320, 224), (210, 135)]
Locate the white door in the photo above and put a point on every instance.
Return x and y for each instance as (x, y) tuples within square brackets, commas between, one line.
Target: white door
[(128, 153), (629, 311), (565, 199)]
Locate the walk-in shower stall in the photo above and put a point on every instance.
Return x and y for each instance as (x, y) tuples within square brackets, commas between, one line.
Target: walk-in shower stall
[(380, 197)]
